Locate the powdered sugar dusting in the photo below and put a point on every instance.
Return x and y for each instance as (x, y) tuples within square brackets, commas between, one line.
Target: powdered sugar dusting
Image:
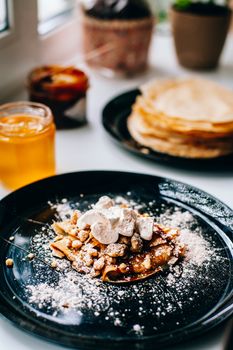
[(165, 295), (198, 249)]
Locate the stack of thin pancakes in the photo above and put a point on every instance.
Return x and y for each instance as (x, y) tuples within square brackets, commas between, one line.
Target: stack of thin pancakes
[(190, 118)]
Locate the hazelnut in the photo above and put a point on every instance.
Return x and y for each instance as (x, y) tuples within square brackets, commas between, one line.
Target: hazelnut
[(123, 268), (116, 249), (147, 262), (53, 264), (9, 262), (99, 264), (30, 256), (83, 235), (77, 244), (136, 243)]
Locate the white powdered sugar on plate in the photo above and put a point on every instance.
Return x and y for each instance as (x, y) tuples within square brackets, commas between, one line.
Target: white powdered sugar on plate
[(157, 297), (198, 249)]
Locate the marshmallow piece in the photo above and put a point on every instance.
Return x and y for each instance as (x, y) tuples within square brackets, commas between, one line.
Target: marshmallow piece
[(104, 202), (113, 214), (90, 217), (127, 222), (103, 233), (145, 227), (100, 226)]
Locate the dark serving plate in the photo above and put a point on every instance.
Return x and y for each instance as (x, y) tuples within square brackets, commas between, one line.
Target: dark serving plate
[(114, 119), (170, 315)]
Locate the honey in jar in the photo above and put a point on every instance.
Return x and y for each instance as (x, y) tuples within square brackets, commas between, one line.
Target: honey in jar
[(26, 143)]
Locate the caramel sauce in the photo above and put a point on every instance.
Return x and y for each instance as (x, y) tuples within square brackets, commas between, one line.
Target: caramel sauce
[(135, 270)]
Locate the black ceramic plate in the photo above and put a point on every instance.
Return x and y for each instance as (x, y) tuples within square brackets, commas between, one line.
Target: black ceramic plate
[(165, 309), (114, 119)]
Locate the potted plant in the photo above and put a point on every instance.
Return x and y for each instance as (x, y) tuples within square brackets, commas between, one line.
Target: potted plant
[(200, 29)]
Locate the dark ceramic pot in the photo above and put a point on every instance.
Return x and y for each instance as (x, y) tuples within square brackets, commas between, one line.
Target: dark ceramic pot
[(199, 38)]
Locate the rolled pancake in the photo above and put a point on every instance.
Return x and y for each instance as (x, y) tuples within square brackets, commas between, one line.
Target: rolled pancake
[(169, 146), (143, 107), (191, 99), (190, 118), (145, 128)]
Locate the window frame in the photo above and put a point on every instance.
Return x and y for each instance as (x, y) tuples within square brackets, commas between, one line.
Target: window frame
[(31, 48), (50, 24), (8, 34), (5, 28)]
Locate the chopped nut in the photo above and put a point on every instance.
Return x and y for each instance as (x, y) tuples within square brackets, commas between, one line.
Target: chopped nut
[(70, 256), (136, 243), (124, 205), (99, 264), (113, 240), (30, 256), (116, 249), (158, 229), (123, 268), (79, 266), (124, 240), (57, 253), (57, 229), (145, 150), (171, 233), (66, 305), (88, 260), (95, 273), (147, 262), (77, 244), (173, 260), (74, 217), (9, 262), (157, 241), (58, 238), (110, 260), (137, 268), (83, 235), (89, 248), (64, 228), (53, 264), (67, 242), (63, 246), (179, 249)]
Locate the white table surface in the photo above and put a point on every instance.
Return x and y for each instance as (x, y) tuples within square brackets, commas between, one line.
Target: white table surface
[(89, 148)]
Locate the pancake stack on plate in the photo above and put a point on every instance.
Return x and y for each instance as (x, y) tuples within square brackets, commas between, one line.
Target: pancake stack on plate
[(191, 118)]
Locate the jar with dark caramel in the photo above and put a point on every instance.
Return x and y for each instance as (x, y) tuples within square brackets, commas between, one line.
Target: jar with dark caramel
[(119, 33), (63, 89)]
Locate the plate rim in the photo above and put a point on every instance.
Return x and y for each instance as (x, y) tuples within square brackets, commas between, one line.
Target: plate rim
[(209, 324)]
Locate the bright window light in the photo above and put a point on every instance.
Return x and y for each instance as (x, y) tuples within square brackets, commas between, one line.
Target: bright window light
[(3, 15), (52, 13)]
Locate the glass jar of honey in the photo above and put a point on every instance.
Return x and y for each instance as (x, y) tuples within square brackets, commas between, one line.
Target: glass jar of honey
[(27, 135)]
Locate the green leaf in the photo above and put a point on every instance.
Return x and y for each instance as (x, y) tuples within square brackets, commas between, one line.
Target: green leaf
[(182, 4)]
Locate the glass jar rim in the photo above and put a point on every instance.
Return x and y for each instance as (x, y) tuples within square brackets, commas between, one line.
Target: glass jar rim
[(45, 119)]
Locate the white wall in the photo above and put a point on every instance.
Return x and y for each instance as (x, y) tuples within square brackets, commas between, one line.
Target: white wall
[(24, 48)]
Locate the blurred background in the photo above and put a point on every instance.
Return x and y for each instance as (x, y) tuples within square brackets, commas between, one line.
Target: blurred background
[(35, 32), (109, 46)]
